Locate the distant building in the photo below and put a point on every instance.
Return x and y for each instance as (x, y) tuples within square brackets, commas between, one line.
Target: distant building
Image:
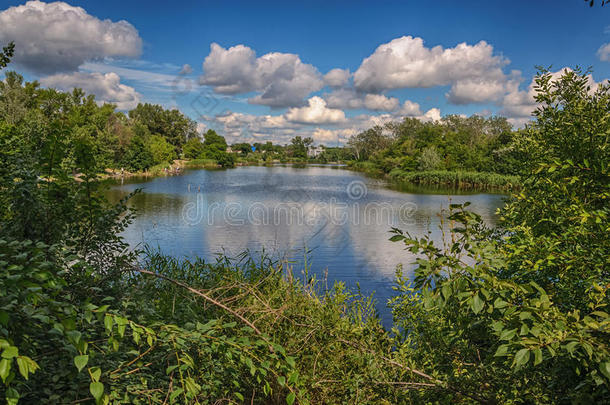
[(315, 151), (229, 149)]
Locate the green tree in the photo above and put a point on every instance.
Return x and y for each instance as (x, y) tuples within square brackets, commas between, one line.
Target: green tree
[(193, 148), (160, 149), (520, 313)]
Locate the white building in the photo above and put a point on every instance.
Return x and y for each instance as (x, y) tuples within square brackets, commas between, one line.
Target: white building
[(315, 151)]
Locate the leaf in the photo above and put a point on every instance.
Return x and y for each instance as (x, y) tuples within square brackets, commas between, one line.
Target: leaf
[(605, 369), (10, 352), (97, 390), (537, 356), (23, 367), (81, 361), (5, 368), (502, 350), (281, 380), (108, 322), (508, 334), (12, 396), (522, 357), (290, 398), (477, 304), (96, 373), (396, 238)]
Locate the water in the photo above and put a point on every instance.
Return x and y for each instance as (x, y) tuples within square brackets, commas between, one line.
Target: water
[(337, 218)]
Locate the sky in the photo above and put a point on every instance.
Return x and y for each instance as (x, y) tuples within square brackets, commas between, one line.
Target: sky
[(268, 71)]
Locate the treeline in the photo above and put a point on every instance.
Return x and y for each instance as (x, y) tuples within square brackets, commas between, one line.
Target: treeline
[(146, 136), (455, 150)]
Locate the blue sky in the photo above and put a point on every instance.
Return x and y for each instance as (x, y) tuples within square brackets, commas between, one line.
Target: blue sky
[(292, 96)]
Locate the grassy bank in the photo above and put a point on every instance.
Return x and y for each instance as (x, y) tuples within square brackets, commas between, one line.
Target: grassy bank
[(460, 180)]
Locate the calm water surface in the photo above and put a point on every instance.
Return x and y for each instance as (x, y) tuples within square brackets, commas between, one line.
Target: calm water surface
[(340, 218)]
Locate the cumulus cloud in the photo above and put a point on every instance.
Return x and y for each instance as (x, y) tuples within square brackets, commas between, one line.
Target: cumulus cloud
[(481, 90), (603, 53), (315, 113), (281, 79), (330, 136), (106, 87), (410, 109), (57, 37), (337, 77), (350, 99), (406, 63)]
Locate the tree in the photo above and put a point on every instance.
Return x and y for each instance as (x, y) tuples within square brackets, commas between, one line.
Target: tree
[(520, 313), (430, 159), (300, 146), (6, 55), (160, 149), (193, 148), (171, 124)]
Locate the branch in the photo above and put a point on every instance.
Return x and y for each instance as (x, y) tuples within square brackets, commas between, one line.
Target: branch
[(202, 295)]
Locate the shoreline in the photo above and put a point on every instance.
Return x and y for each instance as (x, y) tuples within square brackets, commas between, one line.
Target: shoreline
[(459, 180)]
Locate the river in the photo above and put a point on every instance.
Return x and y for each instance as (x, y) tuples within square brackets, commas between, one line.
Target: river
[(338, 219)]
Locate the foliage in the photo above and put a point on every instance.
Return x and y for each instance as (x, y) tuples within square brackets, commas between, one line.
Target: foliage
[(193, 148), (299, 147), (520, 313), (6, 54), (160, 149)]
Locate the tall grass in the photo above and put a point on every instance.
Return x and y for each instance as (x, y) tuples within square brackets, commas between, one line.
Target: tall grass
[(459, 179)]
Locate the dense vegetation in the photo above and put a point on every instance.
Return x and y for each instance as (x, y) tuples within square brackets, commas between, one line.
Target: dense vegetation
[(456, 151), (515, 314)]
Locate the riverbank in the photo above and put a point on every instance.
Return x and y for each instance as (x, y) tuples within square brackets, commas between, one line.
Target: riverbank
[(459, 180)]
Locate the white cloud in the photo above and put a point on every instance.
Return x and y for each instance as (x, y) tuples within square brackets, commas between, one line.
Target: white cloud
[(337, 77), (481, 90), (106, 87), (379, 102), (57, 37), (410, 109), (350, 99), (332, 136), (315, 113), (281, 79), (406, 63), (603, 53), (186, 69)]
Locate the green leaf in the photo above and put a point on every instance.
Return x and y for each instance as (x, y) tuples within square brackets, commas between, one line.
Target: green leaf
[(290, 398), (281, 380), (108, 322), (97, 390), (10, 352), (508, 334), (12, 396), (522, 357), (502, 350), (81, 361), (605, 369), (5, 368), (23, 367), (477, 304), (175, 394), (537, 356), (96, 373), (396, 238)]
